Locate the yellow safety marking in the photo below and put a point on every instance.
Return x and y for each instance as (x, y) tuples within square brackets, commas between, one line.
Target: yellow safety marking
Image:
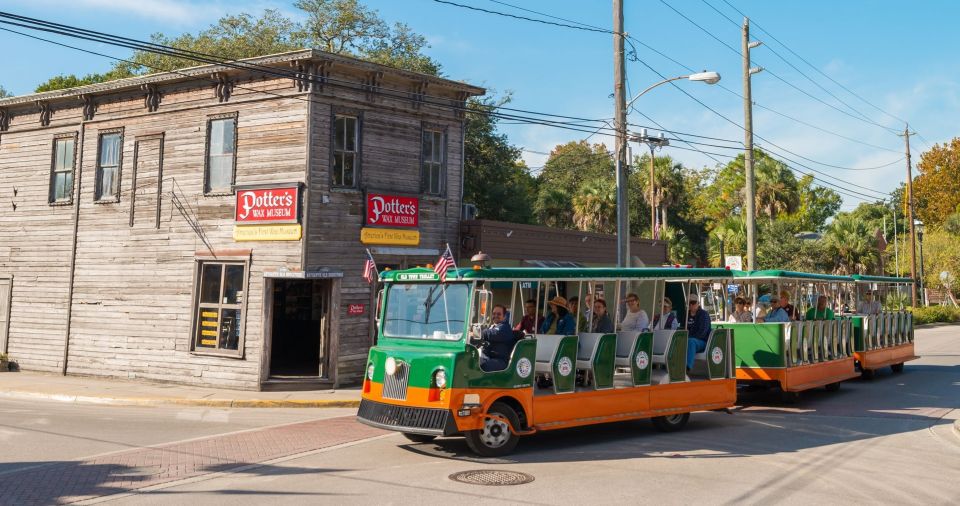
[(208, 323), (208, 342), (208, 333), (208, 314)]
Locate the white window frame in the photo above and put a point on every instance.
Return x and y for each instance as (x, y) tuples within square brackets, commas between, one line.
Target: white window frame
[(54, 171), (114, 195), (207, 155)]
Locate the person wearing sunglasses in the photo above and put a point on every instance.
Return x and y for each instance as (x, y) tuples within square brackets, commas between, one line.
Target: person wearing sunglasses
[(666, 319), (698, 329), (636, 319)]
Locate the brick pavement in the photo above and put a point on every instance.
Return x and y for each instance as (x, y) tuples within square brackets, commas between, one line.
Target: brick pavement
[(115, 473)]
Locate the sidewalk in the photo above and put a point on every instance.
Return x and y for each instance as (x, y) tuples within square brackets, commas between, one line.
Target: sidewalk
[(32, 385)]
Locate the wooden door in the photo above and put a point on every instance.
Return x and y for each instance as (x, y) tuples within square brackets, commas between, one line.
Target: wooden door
[(146, 199)]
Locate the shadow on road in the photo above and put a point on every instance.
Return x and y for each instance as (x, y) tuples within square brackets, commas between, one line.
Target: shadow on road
[(916, 399)]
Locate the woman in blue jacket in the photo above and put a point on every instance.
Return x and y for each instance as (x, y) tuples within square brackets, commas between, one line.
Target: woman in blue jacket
[(559, 321)]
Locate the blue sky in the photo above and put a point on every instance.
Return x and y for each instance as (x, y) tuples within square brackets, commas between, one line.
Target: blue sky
[(899, 59)]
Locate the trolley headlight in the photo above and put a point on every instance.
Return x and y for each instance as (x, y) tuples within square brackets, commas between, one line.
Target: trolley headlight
[(370, 370), (390, 366), (440, 378)]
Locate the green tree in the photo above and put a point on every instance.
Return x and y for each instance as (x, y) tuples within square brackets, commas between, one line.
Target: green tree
[(553, 207), (495, 178), (569, 169), (595, 207), (776, 191), (851, 244), (732, 233), (4, 93), (337, 26), (816, 205), (779, 248)]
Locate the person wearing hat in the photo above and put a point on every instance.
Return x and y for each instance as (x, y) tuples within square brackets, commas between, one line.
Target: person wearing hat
[(559, 321), (777, 313)]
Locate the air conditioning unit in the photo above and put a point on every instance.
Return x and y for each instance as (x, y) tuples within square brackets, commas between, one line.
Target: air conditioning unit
[(468, 212)]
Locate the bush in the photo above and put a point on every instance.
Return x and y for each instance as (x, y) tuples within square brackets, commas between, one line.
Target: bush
[(935, 314)]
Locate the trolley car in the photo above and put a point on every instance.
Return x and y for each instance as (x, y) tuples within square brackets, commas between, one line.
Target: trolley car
[(885, 337)]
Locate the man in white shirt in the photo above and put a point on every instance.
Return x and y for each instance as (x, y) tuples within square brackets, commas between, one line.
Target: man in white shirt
[(869, 306)]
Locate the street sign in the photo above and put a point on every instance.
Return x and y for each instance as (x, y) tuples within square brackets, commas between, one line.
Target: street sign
[(733, 262)]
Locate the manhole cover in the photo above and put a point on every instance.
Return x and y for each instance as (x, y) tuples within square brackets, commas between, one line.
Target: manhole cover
[(492, 477)]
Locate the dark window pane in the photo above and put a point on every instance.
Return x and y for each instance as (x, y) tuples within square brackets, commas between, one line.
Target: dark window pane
[(351, 134), (233, 291), (207, 328), (427, 146), (348, 165), (338, 169), (437, 146), (210, 283), (229, 329), (339, 131)]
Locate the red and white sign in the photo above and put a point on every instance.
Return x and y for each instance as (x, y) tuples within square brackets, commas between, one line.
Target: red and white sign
[(392, 211), (355, 309), (268, 205)]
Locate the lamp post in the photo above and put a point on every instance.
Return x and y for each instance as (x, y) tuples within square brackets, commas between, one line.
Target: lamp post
[(623, 218), (919, 228)]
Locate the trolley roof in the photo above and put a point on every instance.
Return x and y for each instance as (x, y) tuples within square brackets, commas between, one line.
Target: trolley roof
[(558, 273), (880, 279), (782, 274)]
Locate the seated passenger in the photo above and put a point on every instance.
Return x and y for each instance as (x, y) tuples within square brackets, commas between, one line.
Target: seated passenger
[(740, 313), (572, 305), (636, 319), (530, 321), (821, 312), (600, 321), (698, 329), (777, 314), (559, 321), (868, 305), (496, 342), (668, 322)]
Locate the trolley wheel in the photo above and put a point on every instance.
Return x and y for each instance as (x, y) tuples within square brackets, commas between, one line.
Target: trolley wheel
[(789, 397), (832, 387), (897, 367), (495, 439), (670, 423), (867, 374), (419, 438)]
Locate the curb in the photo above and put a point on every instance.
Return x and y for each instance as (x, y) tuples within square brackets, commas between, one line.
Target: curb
[(210, 403)]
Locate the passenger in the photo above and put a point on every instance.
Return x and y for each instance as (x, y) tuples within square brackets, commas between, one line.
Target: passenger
[(530, 321), (792, 312), (868, 305), (559, 321), (669, 322), (821, 312), (763, 308), (588, 306), (600, 321), (777, 314), (636, 319), (698, 329), (740, 314), (572, 305), (496, 342)]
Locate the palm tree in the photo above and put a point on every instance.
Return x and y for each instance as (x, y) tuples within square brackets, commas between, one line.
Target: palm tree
[(851, 244), (553, 208), (776, 189), (595, 207), (733, 233)]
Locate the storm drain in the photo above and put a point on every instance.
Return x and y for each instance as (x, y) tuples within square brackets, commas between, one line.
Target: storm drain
[(492, 477)]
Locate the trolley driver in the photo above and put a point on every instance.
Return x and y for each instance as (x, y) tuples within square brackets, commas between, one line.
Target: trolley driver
[(495, 343)]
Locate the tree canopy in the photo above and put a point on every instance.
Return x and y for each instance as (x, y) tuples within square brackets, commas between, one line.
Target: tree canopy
[(936, 190)]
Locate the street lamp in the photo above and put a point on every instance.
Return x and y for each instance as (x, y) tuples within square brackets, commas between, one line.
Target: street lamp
[(623, 218), (918, 225)]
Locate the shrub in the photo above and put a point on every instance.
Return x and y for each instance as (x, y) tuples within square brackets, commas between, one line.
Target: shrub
[(935, 314)]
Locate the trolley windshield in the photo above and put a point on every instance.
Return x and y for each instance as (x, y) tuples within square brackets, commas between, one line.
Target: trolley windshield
[(426, 311)]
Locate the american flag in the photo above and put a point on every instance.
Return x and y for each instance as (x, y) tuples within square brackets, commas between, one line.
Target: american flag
[(444, 263), (369, 269)]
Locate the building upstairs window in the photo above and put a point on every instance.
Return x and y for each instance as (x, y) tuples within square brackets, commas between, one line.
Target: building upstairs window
[(432, 166), (61, 170), (221, 155), (346, 148), (219, 307), (108, 167)]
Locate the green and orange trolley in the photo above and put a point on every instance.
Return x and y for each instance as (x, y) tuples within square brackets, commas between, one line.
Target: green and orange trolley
[(424, 377)]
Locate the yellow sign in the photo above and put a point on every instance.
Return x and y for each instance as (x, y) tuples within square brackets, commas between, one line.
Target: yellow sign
[(267, 232), (392, 236)]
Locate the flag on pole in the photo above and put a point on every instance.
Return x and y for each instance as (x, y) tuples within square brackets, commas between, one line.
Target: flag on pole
[(370, 269), (444, 263)]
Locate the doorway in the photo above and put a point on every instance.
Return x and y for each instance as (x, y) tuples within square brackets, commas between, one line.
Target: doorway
[(300, 328)]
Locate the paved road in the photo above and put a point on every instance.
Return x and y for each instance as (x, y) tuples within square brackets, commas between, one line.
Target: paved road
[(887, 441)]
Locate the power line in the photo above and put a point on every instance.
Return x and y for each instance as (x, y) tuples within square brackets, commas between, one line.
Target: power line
[(804, 60), (524, 18)]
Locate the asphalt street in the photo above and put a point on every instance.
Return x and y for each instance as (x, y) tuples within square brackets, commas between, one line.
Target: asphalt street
[(889, 441)]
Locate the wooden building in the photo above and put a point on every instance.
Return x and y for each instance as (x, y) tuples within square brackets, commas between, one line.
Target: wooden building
[(208, 226)]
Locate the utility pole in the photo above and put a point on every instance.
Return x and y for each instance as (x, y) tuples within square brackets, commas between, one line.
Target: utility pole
[(654, 143), (620, 122), (748, 147), (913, 232)]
